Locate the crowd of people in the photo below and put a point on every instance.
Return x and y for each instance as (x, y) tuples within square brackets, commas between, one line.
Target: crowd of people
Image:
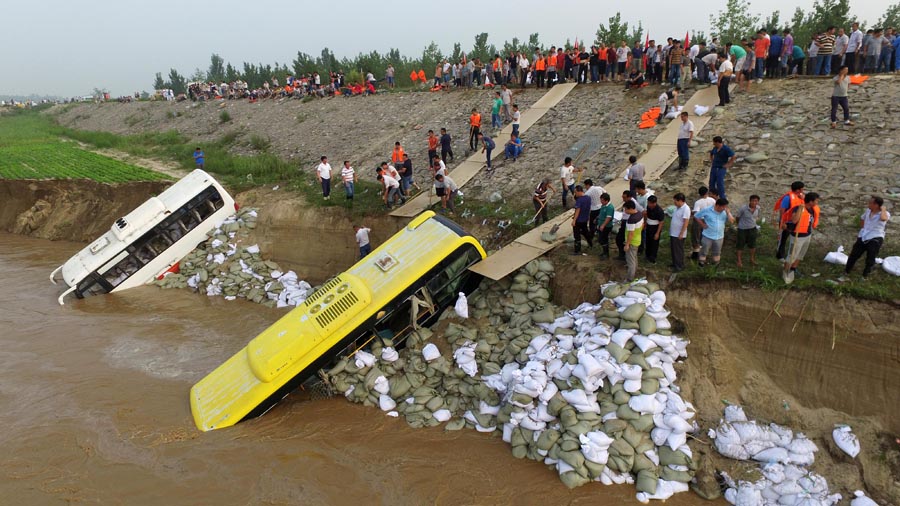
[(642, 222)]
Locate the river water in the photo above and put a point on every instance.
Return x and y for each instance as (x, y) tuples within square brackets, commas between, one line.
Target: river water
[(94, 410)]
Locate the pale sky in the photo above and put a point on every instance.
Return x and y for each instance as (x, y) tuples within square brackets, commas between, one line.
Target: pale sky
[(69, 47)]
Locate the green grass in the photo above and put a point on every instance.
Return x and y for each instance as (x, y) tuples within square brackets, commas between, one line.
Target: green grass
[(29, 149), (817, 275)]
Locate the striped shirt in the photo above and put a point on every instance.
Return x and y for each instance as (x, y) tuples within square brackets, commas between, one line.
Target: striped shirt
[(675, 54), (827, 44), (540, 193), (347, 174)]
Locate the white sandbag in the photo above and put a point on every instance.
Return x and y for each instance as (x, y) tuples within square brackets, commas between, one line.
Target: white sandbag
[(700, 110), (677, 424), (846, 440), (386, 403), (891, 265), (486, 409), (735, 413), (430, 352), (860, 499), (389, 354), (772, 455), (364, 359), (837, 257), (465, 358), (462, 306), (382, 386), (646, 404), (441, 415)]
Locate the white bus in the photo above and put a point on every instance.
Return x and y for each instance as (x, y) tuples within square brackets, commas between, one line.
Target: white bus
[(147, 242)]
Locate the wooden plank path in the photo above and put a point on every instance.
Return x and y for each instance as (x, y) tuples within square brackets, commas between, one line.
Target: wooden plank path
[(469, 168), (661, 155)]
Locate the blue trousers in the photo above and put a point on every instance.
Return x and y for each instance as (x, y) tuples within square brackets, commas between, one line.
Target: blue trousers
[(488, 153), (684, 153), (513, 151), (760, 67), (495, 121), (674, 74), (717, 180), (823, 65)]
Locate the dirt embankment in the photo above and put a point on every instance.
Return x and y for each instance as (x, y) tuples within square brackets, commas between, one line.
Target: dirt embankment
[(807, 361)]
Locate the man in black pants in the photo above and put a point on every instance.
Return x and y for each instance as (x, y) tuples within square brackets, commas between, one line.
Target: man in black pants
[(871, 235), (446, 146), (620, 235), (654, 217), (726, 69), (580, 220)]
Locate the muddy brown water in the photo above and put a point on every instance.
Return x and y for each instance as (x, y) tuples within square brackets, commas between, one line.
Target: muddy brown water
[(94, 410)]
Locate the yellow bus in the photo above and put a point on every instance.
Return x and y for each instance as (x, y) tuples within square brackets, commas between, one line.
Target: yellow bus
[(404, 284)]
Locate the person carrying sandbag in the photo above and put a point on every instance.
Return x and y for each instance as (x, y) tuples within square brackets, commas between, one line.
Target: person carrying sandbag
[(805, 219)]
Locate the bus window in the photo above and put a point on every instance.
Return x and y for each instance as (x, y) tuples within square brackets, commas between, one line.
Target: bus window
[(454, 271)]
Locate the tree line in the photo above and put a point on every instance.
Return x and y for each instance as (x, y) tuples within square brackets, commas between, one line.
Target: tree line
[(736, 21)]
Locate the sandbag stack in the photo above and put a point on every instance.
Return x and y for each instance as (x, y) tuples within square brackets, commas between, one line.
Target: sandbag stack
[(224, 266), (783, 457), (585, 391)]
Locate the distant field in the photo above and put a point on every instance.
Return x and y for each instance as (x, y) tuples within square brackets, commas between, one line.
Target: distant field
[(30, 150)]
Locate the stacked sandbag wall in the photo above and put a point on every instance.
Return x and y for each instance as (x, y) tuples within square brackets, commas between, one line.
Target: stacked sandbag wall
[(590, 392)]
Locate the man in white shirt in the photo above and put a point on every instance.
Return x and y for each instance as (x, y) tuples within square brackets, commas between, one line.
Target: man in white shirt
[(723, 76), (841, 44), (523, 68), (854, 45), (389, 170), (391, 191), (678, 229), (447, 189), (696, 231), (567, 178), (685, 136), (362, 240), (323, 174), (871, 235), (349, 178), (594, 193)]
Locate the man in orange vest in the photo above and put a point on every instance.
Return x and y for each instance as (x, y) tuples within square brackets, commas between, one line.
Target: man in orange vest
[(805, 219), (397, 155), (540, 69), (474, 129), (783, 205)]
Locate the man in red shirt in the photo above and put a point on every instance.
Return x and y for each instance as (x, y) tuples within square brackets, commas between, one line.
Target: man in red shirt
[(432, 145)]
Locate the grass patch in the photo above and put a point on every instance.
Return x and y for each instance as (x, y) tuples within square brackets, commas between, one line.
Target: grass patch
[(224, 117), (29, 149), (170, 115), (260, 143)]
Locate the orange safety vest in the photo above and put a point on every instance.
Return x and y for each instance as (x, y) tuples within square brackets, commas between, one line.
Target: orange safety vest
[(795, 201), (422, 76), (540, 64), (475, 120), (397, 156), (803, 224)]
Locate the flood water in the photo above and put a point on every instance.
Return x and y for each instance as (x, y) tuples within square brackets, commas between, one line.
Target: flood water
[(94, 410)]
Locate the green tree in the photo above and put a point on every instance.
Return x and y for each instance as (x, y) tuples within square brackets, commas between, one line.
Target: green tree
[(772, 22), (231, 74), (734, 22), (303, 64), (824, 13), (456, 55), (533, 42), (614, 32), (177, 82), (431, 58), (159, 83), (891, 17), (327, 61), (637, 34), (216, 72), (480, 49), (198, 76)]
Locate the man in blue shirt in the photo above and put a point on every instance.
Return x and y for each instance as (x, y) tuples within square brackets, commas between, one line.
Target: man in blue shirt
[(712, 221), (581, 218), (513, 147), (721, 159), (773, 62), (487, 145)]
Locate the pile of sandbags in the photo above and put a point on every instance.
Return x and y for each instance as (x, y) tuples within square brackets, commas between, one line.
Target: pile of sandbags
[(224, 266), (783, 457), (590, 391)]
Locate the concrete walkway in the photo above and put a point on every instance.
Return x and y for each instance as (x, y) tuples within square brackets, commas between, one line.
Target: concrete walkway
[(469, 168), (661, 155)]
